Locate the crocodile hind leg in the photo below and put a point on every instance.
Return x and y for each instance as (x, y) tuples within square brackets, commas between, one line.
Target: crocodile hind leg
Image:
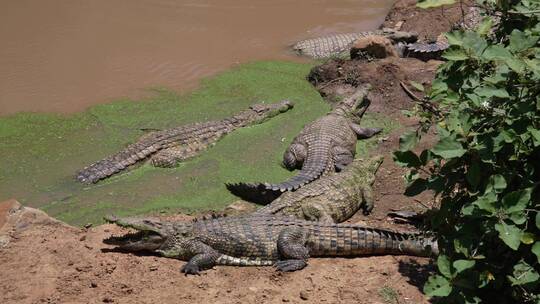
[(364, 133), (342, 157), (294, 156), (170, 157), (367, 201), (291, 245), (316, 212)]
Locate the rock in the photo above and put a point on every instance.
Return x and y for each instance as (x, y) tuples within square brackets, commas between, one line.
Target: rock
[(374, 46), (240, 207), (7, 208), (304, 295)]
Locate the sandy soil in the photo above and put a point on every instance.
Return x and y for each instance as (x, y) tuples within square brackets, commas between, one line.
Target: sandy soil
[(45, 261)]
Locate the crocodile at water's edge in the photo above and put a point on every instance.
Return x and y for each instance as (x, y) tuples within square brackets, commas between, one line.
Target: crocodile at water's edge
[(263, 240), (168, 147)]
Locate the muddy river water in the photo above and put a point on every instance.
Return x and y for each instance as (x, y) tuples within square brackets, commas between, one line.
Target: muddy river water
[(65, 55)]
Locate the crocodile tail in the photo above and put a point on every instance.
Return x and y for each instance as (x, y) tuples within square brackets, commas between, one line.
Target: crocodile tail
[(319, 160), (121, 160), (361, 240)]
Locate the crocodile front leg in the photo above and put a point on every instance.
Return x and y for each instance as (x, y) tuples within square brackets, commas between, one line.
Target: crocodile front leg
[(291, 245), (200, 255), (364, 133)]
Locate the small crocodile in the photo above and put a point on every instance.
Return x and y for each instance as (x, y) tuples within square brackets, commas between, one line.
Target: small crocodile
[(170, 146), (332, 45), (252, 240), (327, 144), (333, 198)]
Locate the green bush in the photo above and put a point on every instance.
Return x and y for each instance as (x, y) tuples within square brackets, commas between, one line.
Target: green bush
[(484, 168)]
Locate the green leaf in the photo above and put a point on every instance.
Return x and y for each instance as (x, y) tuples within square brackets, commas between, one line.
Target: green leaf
[(437, 286), (491, 92), (496, 182), (497, 52), (523, 274), (445, 268), (434, 3), (408, 140), (455, 55), (527, 238), (515, 64), (462, 265), (454, 38), (535, 135), (485, 26), (475, 43), (538, 220), (417, 86), (510, 234), (406, 159), (520, 41), (536, 250), (516, 201), (487, 202), (448, 147)]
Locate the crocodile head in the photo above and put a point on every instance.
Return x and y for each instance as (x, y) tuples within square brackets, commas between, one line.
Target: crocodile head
[(260, 112), (356, 104), (150, 235)]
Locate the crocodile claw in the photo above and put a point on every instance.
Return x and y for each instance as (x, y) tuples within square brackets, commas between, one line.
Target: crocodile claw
[(290, 265), (190, 268)]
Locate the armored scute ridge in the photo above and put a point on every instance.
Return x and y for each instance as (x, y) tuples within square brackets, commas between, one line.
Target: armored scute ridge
[(327, 144), (168, 147), (262, 240), (327, 46)]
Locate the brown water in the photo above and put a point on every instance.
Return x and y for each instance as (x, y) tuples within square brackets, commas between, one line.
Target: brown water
[(65, 55)]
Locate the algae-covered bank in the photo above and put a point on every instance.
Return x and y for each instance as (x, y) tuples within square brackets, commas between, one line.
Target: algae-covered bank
[(42, 152)]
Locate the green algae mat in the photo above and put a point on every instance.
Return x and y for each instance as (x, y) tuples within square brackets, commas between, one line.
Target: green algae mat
[(42, 152)]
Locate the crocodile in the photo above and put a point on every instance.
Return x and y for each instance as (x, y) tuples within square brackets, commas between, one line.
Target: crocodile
[(261, 240), (332, 45), (168, 147), (333, 198), (327, 144)]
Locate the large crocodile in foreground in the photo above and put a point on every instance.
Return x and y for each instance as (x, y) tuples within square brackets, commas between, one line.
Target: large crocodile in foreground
[(328, 143), (168, 147), (333, 198), (285, 242), (332, 45)]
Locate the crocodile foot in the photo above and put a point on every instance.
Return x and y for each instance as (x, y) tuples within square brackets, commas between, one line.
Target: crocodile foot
[(190, 268), (290, 265)]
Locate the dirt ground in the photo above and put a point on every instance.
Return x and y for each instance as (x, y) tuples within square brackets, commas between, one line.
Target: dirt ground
[(45, 261)]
